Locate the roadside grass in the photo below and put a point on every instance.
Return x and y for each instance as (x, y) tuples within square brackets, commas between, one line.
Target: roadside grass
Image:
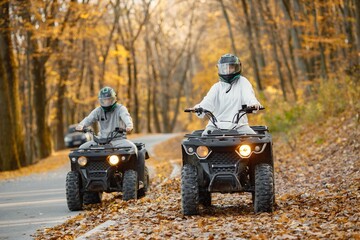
[(330, 98)]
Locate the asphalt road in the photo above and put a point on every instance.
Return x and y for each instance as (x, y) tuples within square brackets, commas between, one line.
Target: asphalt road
[(38, 201)]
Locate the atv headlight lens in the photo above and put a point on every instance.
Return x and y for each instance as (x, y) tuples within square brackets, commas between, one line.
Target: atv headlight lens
[(82, 161), (202, 151), (245, 150), (113, 160)]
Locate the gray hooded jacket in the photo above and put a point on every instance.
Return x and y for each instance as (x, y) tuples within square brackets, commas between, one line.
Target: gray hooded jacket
[(108, 121)]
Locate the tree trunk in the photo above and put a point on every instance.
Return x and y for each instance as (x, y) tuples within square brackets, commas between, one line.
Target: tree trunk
[(136, 105), (277, 38), (154, 93), (228, 23), (255, 24), (42, 140), (271, 33), (323, 68), (251, 45), (300, 61), (130, 103), (148, 82), (61, 89), (357, 16), (12, 154)]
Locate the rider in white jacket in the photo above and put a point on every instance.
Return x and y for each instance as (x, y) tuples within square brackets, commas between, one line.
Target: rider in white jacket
[(227, 96)]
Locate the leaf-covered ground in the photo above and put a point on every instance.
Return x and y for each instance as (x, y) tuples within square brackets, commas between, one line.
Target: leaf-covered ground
[(317, 197)]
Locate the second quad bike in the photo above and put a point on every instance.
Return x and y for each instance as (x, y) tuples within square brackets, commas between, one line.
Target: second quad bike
[(106, 168), (226, 161)]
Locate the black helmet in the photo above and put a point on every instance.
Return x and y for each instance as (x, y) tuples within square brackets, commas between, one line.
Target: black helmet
[(107, 98), (229, 68)]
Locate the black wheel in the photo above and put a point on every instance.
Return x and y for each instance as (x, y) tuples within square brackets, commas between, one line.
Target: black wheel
[(74, 196), (142, 192), (189, 190), (205, 198), (264, 188), (92, 197), (130, 185)]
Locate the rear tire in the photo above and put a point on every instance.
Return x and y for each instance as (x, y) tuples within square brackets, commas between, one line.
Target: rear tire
[(264, 188), (130, 185), (74, 197), (189, 190), (92, 197)]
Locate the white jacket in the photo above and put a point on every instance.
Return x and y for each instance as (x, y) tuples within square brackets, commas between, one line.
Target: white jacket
[(225, 105)]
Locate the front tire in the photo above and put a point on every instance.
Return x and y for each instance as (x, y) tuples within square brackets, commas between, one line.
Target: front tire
[(189, 190), (264, 188), (74, 196), (130, 185)]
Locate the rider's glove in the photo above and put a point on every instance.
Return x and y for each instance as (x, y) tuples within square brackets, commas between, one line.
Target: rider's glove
[(200, 112), (79, 127), (129, 129)]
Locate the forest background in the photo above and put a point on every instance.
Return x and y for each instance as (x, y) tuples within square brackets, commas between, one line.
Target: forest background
[(302, 57)]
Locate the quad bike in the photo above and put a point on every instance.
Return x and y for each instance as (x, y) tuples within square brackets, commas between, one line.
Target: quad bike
[(105, 168), (227, 162)]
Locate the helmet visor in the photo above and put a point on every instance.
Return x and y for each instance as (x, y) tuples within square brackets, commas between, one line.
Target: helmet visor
[(106, 102), (228, 68)]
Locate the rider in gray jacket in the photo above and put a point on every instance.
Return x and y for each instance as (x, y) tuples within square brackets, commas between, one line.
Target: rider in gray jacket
[(109, 115)]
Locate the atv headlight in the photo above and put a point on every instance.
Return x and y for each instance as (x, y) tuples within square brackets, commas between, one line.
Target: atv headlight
[(113, 160), (82, 161), (202, 151), (245, 150)]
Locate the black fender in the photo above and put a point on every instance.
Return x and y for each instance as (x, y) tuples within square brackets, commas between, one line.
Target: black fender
[(140, 166), (193, 160)]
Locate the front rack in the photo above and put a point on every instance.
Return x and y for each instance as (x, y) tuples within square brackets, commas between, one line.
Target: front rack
[(100, 148)]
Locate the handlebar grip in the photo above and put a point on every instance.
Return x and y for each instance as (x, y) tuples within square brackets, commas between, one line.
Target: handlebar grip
[(120, 130), (195, 110), (251, 109)]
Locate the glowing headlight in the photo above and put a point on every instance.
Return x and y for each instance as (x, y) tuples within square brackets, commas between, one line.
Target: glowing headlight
[(82, 161), (202, 151), (245, 150), (113, 160)]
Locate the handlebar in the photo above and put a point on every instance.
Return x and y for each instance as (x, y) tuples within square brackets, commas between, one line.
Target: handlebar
[(244, 110), (108, 139), (89, 130)]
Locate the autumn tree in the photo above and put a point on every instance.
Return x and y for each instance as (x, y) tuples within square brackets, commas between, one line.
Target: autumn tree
[(12, 153)]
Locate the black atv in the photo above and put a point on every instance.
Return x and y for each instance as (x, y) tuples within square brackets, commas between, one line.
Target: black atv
[(105, 168), (227, 162)]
